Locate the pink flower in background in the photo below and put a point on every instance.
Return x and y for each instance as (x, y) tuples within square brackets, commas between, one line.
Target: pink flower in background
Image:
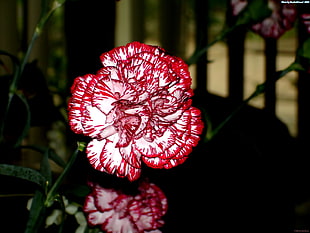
[(305, 19), (136, 108), (282, 18), (237, 6), (116, 212)]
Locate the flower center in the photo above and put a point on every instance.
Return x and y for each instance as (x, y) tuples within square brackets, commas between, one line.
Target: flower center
[(127, 121)]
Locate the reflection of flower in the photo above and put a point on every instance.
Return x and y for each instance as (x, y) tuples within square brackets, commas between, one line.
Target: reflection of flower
[(136, 107), (281, 20), (116, 212)]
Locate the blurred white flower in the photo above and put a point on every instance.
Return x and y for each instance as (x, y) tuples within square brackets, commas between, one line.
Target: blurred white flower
[(71, 209), (55, 217), (29, 203), (81, 220)]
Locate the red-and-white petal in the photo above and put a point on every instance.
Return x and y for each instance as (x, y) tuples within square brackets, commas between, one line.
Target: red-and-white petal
[(157, 146), (186, 135), (123, 53), (105, 156)]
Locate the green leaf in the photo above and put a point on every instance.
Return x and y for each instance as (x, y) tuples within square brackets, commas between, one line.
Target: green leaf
[(23, 173), (57, 159), (304, 50), (37, 213), (16, 69), (254, 12), (296, 66), (16, 120), (13, 58), (302, 61), (26, 128), (45, 169)]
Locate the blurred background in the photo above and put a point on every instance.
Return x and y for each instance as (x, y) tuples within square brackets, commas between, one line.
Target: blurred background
[(78, 33)]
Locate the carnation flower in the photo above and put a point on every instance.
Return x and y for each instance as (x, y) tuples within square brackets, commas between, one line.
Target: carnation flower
[(136, 108), (281, 19), (116, 212)]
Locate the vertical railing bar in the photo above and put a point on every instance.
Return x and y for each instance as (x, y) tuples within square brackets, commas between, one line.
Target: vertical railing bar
[(235, 44), (138, 20), (24, 29), (169, 26), (270, 69), (201, 19)]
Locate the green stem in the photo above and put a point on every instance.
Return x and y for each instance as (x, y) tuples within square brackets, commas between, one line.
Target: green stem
[(37, 32), (36, 214), (53, 191)]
